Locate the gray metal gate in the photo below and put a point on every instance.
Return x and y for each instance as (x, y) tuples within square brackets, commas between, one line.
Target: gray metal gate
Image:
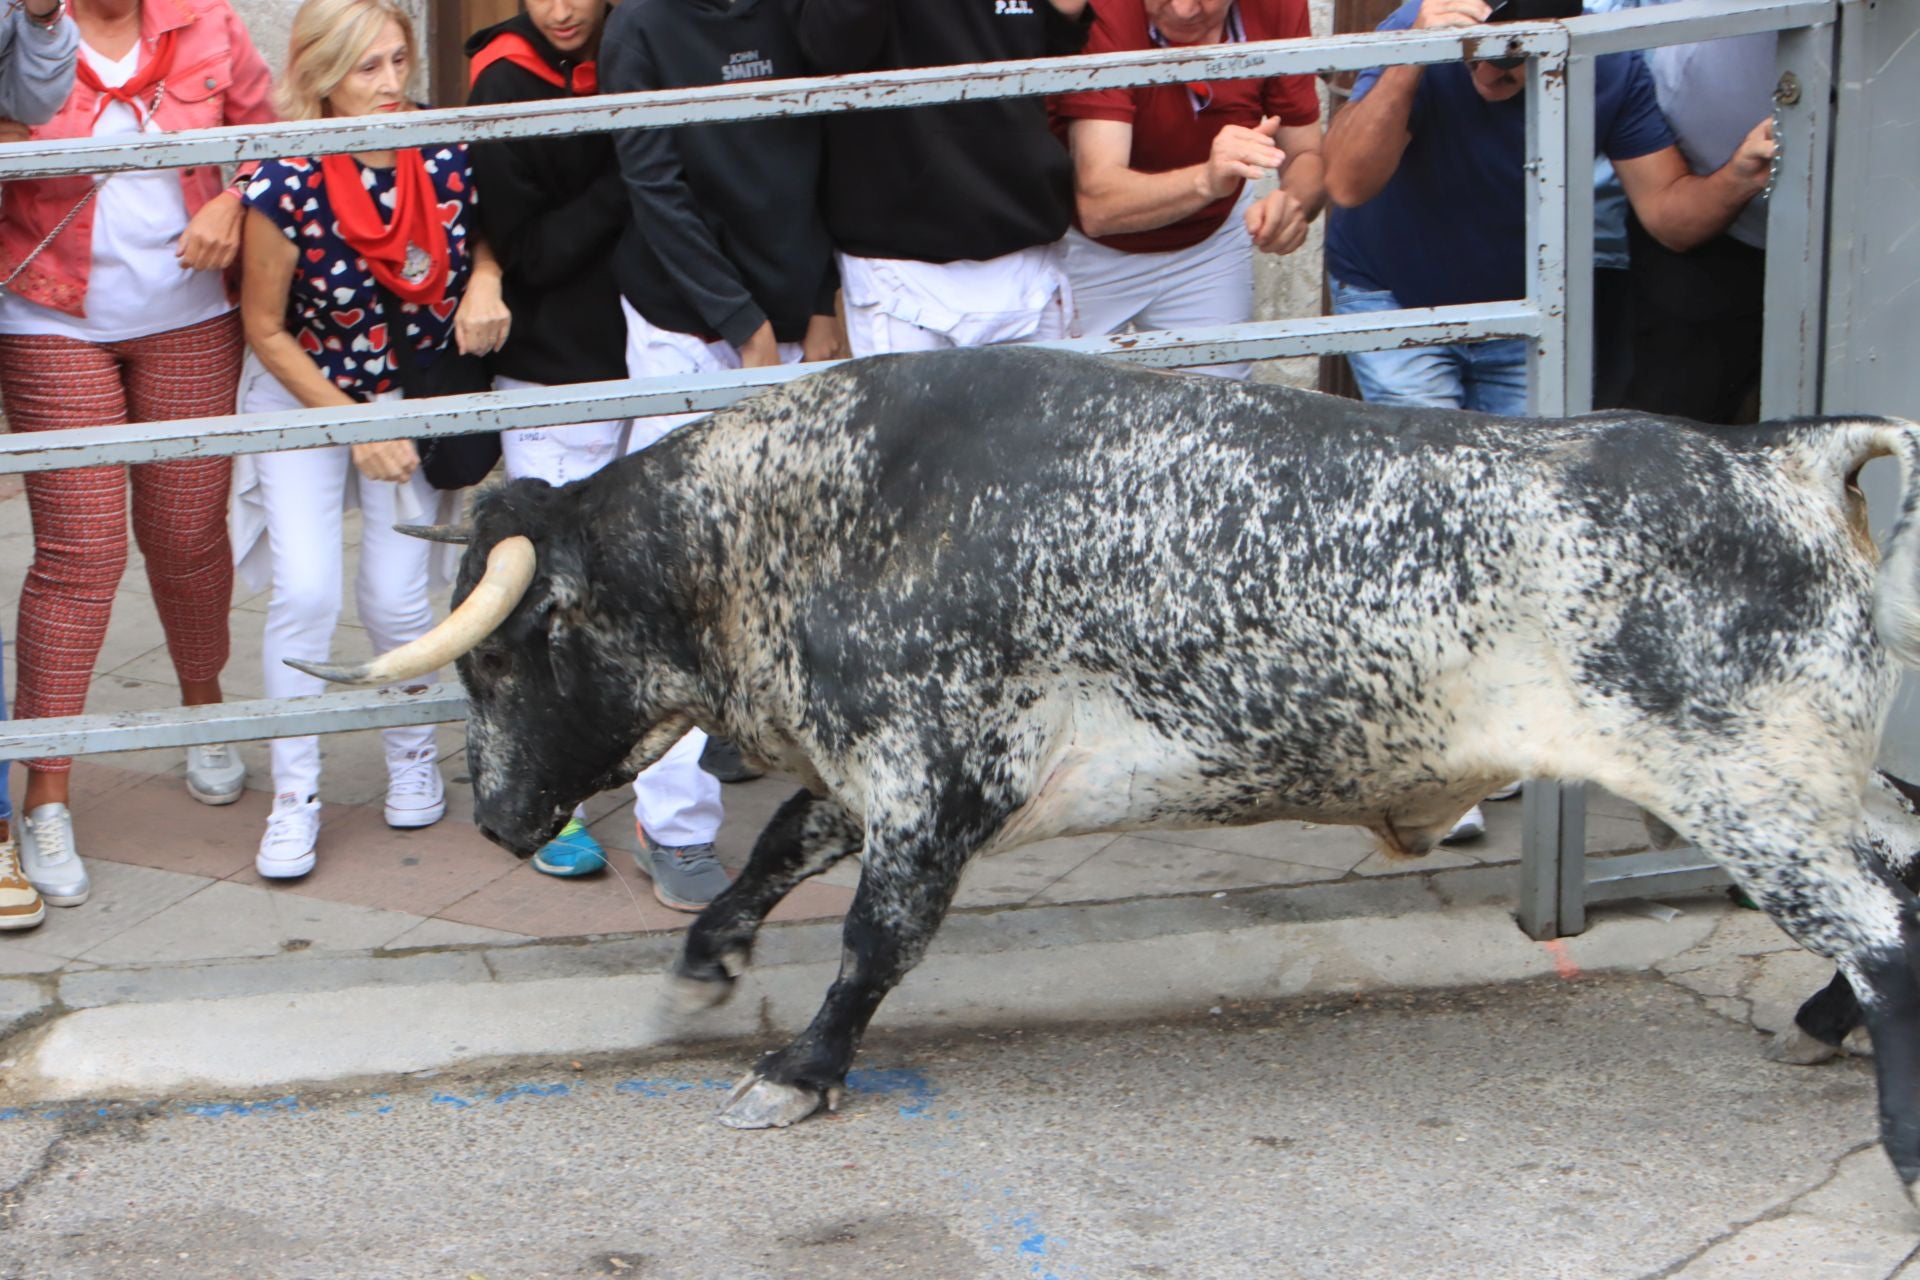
[(1556, 885)]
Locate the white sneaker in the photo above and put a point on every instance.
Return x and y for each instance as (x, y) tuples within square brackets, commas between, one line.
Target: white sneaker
[(293, 828), (49, 859), (1507, 792), (215, 774), (415, 795), (1472, 825)]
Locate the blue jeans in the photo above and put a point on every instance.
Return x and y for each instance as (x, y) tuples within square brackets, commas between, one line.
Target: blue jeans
[(1490, 377)]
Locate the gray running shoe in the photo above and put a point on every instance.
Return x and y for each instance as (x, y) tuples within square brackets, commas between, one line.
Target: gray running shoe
[(722, 759), (685, 878), (47, 855), (215, 774)]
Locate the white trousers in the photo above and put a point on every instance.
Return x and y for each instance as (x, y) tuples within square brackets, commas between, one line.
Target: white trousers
[(676, 801), (1210, 283), (558, 455), (305, 492), (899, 305)]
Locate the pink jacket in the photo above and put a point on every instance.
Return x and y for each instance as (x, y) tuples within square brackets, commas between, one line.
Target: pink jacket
[(218, 78)]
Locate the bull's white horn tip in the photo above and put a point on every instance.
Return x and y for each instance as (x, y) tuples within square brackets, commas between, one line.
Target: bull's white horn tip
[(334, 672)]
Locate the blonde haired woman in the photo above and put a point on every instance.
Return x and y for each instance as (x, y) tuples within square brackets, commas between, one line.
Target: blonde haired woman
[(347, 258)]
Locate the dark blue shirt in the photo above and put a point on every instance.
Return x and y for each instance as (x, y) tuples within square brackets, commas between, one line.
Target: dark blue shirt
[(1449, 225), (333, 304)]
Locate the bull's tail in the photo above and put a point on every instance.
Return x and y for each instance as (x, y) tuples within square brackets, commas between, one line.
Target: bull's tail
[(1896, 605)]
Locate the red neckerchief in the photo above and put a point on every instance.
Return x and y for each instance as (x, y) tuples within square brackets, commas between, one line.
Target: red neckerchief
[(1200, 92), (510, 46), (408, 255), (153, 75)]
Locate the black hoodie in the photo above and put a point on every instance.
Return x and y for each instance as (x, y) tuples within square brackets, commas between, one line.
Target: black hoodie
[(727, 232), (553, 209)]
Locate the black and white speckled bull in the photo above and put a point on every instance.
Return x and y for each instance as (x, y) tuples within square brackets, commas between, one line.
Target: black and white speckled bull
[(979, 598)]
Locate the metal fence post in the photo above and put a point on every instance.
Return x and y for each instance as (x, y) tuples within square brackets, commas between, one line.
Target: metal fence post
[(1795, 343), (1560, 381)]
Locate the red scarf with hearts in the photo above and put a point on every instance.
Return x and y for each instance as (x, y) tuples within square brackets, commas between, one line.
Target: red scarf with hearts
[(512, 47), (413, 245), (153, 75)]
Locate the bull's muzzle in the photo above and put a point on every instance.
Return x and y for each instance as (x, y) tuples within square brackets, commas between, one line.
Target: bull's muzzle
[(509, 572)]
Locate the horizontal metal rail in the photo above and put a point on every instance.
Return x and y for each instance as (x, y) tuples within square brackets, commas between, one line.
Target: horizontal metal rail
[(231, 722), (605, 401), (1679, 23)]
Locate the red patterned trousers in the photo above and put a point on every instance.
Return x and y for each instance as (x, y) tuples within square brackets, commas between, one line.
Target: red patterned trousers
[(80, 515)]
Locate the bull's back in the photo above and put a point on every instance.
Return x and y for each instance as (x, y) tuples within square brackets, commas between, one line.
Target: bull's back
[(1293, 570)]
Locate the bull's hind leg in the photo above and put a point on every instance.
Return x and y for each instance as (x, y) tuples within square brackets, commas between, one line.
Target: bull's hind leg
[(904, 893), (1837, 898), (1827, 1022), (807, 835)]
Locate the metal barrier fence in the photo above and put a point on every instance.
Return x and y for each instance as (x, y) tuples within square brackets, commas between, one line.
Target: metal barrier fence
[(1555, 886)]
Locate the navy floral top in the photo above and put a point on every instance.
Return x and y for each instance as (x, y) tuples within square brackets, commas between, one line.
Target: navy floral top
[(333, 306)]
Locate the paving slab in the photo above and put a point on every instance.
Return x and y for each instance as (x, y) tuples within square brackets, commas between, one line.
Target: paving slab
[(226, 919)]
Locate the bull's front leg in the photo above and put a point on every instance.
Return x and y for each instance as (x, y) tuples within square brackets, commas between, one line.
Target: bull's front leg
[(807, 835), (904, 894)]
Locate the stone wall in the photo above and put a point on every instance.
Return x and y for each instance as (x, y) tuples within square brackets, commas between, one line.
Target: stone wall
[(1287, 288)]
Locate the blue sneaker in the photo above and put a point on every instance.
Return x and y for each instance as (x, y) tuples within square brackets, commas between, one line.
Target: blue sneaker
[(574, 852)]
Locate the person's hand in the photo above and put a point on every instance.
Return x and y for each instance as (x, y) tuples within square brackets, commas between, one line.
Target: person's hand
[(1450, 13), (825, 340), (42, 9), (1754, 157), (1277, 222), (395, 460), (481, 324), (13, 131), (1239, 152), (212, 239), (761, 350)]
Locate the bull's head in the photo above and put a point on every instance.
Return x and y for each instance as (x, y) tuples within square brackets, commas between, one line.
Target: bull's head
[(553, 714)]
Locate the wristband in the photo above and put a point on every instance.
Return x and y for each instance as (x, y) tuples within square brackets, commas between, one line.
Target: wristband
[(51, 20)]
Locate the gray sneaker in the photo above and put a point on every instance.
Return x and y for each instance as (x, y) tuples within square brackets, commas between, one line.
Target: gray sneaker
[(685, 878), (48, 857), (215, 774)]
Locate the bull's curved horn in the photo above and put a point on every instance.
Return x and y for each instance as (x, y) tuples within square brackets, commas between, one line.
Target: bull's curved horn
[(461, 533), (509, 571)]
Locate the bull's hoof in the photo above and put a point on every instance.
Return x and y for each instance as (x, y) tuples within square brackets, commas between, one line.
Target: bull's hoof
[(681, 1000), (1796, 1048), (1858, 1043), (759, 1103)]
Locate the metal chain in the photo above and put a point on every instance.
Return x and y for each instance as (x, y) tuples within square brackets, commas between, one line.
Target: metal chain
[(98, 182)]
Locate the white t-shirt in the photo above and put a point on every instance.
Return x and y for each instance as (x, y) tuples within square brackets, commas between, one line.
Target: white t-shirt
[(136, 286)]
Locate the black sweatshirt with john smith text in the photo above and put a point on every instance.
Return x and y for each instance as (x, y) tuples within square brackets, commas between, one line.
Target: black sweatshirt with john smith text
[(727, 231)]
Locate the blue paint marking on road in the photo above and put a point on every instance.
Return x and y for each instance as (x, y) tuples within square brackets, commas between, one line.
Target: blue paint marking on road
[(289, 1104), (532, 1091), (891, 1080), (453, 1100)]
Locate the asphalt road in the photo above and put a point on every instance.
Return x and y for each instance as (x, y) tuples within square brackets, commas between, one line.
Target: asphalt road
[(1600, 1128)]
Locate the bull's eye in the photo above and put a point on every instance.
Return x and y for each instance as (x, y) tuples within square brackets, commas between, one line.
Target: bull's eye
[(493, 665)]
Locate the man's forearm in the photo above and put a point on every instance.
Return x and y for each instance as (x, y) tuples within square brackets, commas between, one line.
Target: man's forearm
[(1695, 209), (1305, 179), (1368, 137), (1118, 200)]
